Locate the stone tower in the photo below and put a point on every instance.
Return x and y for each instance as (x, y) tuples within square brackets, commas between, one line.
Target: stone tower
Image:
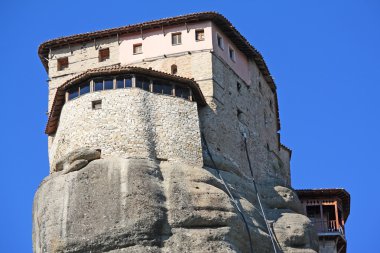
[(164, 137)]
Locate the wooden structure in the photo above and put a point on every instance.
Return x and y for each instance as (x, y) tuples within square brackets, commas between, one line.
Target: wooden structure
[(328, 209)]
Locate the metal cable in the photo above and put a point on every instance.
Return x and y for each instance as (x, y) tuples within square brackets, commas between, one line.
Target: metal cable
[(229, 192), (258, 198)]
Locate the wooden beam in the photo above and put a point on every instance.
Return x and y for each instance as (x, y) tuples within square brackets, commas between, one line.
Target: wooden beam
[(336, 215)]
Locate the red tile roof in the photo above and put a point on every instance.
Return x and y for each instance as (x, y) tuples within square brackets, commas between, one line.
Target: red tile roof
[(59, 99)]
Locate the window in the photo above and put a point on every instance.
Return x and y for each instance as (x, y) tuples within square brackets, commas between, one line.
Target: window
[(162, 88), (98, 85), (271, 104), (219, 39), (62, 63), (123, 82), (232, 54), (96, 105), (238, 86), (108, 84), (137, 48), (128, 82), (176, 39), (84, 88), (104, 54), (142, 83), (182, 92), (174, 69), (120, 83), (73, 93), (199, 35)]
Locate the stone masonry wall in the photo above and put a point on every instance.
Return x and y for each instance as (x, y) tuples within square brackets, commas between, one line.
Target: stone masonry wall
[(132, 123), (249, 110), (257, 117), (196, 65)]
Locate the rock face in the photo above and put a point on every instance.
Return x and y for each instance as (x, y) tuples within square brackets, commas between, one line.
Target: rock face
[(139, 205)]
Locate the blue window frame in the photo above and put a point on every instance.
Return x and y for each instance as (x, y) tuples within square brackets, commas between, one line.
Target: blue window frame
[(98, 85), (162, 88), (108, 84), (73, 93), (142, 83), (182, 92), (84, 88)]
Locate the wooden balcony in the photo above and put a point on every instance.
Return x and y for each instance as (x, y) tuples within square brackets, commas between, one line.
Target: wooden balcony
[(328, 227)]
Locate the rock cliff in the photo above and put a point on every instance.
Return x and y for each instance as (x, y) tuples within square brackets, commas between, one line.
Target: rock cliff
[(140, 205)]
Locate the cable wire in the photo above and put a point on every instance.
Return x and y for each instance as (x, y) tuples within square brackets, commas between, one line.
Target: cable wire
[(229, 192), (258, 197)]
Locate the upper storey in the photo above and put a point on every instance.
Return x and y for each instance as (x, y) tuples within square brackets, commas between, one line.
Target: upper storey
[(148, 40), (206, 33)]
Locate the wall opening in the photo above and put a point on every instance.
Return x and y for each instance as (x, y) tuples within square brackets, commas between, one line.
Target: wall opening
[(199, 35), (238, 86), (137, 48), (96, 105), (104, 54), (176, 39), (62, 63), (174, 69), (219, 39)]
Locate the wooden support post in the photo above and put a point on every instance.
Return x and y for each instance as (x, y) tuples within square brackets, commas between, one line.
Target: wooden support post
[(336, 214)]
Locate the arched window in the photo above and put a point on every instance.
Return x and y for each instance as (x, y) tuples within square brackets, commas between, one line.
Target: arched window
[(174, 69)]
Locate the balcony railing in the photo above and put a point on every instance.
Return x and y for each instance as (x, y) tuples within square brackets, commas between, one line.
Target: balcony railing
[(327, 226)]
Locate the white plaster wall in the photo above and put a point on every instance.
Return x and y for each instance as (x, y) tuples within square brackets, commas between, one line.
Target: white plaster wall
[(158, 42), (132, 123), (240, 65)]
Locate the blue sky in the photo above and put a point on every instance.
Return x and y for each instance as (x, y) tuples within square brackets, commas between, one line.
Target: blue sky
[(324, 56)]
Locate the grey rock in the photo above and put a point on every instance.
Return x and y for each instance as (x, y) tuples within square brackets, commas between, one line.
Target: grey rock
[(281, 197), (138, 205), (76, 165), (65, 163), (296, 231)]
